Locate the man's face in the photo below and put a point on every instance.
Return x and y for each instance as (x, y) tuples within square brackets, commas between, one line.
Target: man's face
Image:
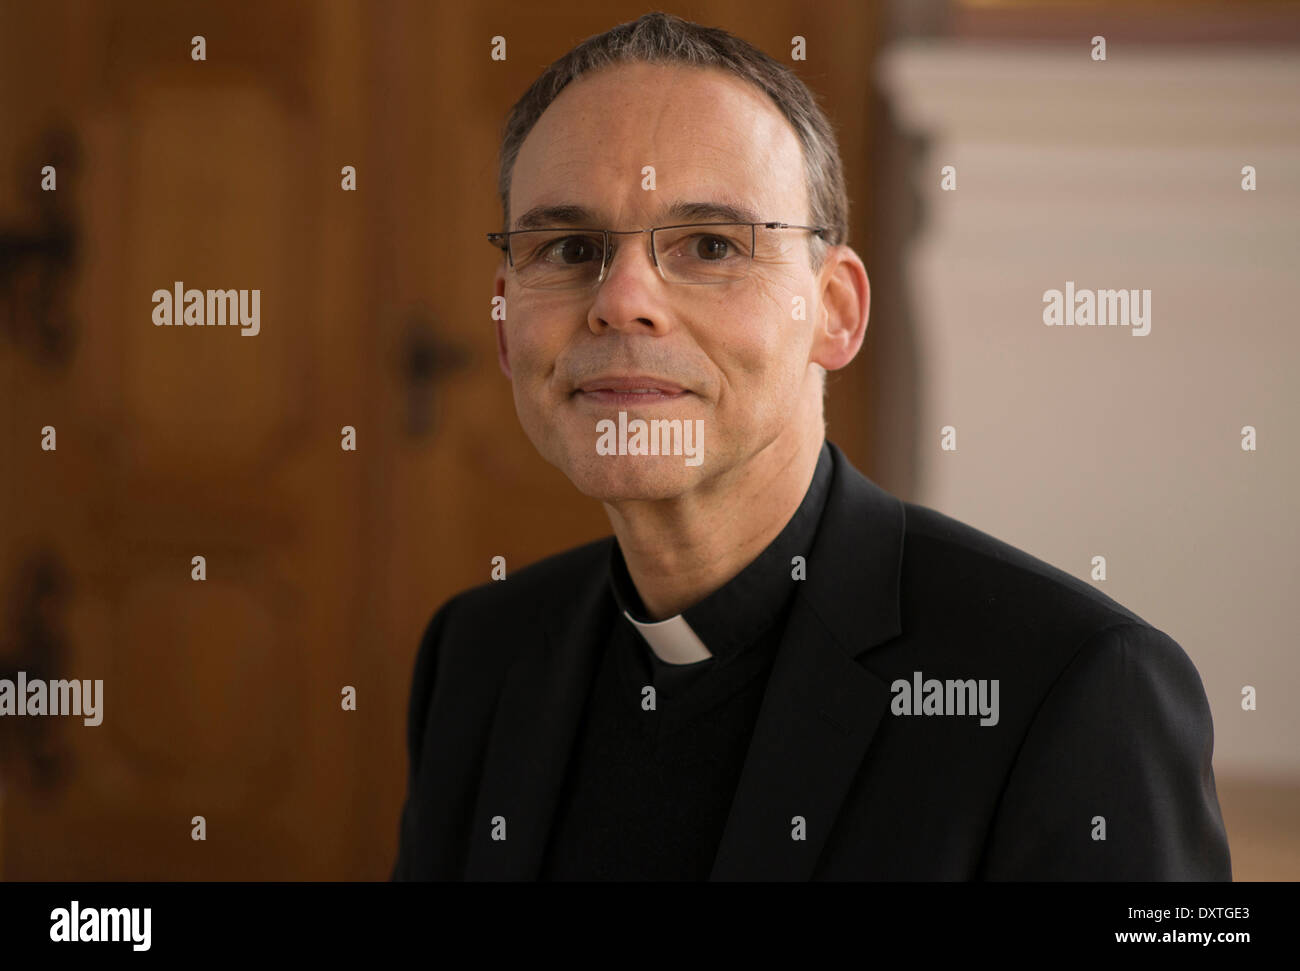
[(733, 355)]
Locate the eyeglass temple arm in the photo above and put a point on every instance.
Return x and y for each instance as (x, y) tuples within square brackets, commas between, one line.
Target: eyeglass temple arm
[(815, 230)]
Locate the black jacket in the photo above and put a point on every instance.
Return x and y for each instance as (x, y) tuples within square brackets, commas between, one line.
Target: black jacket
[(1102, 721)]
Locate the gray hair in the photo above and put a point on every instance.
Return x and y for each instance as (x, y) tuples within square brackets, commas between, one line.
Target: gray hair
[(661, 38)]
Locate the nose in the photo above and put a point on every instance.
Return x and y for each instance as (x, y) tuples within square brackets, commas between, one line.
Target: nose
[(638, 245), (628, 299)]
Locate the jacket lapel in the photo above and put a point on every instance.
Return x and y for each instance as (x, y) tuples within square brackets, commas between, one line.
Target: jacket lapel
[(821, 708), (536, 723)]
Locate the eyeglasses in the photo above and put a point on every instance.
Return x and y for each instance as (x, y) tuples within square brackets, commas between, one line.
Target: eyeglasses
[(693, 253)]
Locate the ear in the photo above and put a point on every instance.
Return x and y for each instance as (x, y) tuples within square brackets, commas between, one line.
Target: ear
[(845, 304), (503, 353)]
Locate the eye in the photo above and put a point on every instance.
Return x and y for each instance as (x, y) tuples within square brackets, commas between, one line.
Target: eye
[(711, 248), (571, 250)]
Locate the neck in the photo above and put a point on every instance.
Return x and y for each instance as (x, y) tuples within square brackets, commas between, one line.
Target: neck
[(680, 550)]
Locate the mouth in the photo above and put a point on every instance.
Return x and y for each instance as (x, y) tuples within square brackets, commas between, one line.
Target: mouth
[(630, 390)]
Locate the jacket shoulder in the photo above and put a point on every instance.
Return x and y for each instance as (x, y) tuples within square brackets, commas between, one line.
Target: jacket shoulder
[(971, 571), (471, 638), (1103, 710)]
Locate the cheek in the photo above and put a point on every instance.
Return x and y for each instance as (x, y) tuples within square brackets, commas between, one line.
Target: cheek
[(762, 346), (533, 348)]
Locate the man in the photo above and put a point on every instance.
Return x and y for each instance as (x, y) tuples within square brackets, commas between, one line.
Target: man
[(774, 669)]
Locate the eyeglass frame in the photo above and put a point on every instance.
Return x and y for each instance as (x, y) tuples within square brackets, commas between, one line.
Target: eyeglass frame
[(502, 242)]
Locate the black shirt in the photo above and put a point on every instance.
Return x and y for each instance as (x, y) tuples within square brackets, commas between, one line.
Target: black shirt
[(647, 792)]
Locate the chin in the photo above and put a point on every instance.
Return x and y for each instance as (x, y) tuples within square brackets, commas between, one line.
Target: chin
[(609, 468), (614, 478)]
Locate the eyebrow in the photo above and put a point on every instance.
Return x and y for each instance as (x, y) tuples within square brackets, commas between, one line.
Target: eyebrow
[(540, 217)]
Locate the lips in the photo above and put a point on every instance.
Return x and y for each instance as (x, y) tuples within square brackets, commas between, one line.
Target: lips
[(630, 390), (632, 384)]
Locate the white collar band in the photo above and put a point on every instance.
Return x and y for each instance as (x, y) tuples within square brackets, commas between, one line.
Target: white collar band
[(672, 640)]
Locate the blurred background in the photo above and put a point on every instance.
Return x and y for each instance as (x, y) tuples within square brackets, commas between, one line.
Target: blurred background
[(222, 698)]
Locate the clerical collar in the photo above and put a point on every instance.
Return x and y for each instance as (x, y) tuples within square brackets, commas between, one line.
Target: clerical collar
[(673, 641), (732, 617)]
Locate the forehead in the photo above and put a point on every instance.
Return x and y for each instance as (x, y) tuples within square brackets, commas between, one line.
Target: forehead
[(710, 136)]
